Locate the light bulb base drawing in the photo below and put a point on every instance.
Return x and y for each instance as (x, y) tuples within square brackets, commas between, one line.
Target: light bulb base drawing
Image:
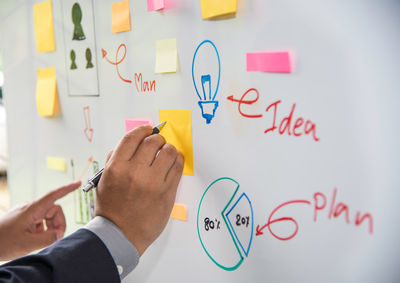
[(208, 109)]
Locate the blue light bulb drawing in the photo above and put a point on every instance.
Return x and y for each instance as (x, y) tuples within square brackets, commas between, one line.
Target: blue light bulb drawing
[(206, 71)]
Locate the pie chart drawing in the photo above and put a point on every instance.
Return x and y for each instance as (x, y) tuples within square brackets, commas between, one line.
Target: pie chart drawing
[(225, 223)]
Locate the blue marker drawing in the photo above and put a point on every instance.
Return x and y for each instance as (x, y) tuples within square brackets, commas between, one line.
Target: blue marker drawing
[(207, 102), (206, 79), (246, 251)]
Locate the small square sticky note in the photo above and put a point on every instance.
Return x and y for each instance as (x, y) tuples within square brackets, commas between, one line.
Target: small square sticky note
[(121, 17), (215, 8), (131, 124), (179, 212), (46, 92), (166, 56), (271, 62), (43, 24), (155, 5), (178, 132), (57, 163)]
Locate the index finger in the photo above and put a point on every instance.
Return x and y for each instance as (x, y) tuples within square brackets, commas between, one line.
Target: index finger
[(49, 198), (131, 141)]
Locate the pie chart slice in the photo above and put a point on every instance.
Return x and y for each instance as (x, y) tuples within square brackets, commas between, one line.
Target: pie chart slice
[(241, 221), (216, 237)]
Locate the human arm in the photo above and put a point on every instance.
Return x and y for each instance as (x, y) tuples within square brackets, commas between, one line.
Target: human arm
[(80, 257), (136, 193), (34, 225)]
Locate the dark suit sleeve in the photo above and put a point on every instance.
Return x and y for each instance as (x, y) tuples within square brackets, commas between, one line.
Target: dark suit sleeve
[(80, 257)]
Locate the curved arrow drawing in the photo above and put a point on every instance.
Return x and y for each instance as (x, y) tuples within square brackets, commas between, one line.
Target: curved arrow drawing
[(117, 62)]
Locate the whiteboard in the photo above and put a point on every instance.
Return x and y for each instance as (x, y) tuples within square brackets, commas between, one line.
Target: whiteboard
[(308, 198)]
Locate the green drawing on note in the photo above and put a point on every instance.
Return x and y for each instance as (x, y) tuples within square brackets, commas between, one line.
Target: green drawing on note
[(88, 54), (73, 58), (76, 19), (84, 202)]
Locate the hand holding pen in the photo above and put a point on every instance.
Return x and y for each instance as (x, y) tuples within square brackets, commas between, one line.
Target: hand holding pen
[(94, 181), (138, 186)]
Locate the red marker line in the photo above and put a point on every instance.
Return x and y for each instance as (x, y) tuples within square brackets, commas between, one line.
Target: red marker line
[(116, 63), (270, 222)]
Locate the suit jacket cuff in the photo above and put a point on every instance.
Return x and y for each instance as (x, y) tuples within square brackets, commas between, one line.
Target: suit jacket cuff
[(124, 253)]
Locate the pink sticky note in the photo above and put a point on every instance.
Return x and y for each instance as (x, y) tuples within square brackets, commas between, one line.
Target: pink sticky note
[(155, 5), (271, 62), (131, 124)]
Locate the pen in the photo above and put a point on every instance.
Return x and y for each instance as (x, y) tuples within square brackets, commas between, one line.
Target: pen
[(94, 181)]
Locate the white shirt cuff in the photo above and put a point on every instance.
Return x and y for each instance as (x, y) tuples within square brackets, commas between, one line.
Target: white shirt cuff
[(124, 253)]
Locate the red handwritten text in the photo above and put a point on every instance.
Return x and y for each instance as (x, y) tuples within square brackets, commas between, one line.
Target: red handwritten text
[(288, 125), (319, 204), (285, 126), (144, 86)]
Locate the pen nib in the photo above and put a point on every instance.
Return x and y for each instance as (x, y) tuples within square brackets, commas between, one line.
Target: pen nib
[(161, 125)]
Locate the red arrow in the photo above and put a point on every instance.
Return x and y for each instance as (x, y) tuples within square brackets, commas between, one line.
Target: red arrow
[(116, 63), (231, 98), (290, 219), (259, 231), (249, 102), (89, 135), (88, 129)]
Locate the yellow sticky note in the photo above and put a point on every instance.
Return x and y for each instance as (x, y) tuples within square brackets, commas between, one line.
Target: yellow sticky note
[(121, 16), (46, 92), (179, 212), (166, 56), (57, 163), (43, 24), (215, 8), (178, 132)]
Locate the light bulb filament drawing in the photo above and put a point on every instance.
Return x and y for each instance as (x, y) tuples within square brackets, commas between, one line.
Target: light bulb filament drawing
[(206, 70)]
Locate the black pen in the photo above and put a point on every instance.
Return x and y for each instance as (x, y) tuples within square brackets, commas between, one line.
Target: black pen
[(94, 181)]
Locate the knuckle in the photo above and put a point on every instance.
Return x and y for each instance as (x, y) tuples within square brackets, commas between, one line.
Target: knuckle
[(161, 139), (170, 150), (179, 163), (154, 141), (129, 138), (113, 169), (149, 142)]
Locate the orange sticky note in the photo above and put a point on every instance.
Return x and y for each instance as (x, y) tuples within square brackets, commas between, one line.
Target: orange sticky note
[(43, 24), (215, 8), (121, 16), (178, 132), (46, 92), (179, 212)]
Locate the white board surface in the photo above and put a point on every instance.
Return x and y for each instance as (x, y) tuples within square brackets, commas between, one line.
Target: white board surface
[(345, 80)]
